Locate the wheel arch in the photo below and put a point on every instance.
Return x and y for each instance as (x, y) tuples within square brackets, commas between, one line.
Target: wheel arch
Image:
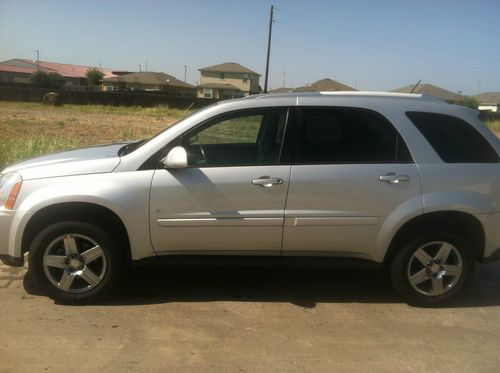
[(77, 211), (464, 224)]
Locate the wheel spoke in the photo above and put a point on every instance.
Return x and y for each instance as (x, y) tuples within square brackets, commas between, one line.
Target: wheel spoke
[(419, 277), (437, 286), (444, 252), (90, 277), (66, 281), (451, 270), (56, 261), (70, 245), (423, 257), (92, 254)]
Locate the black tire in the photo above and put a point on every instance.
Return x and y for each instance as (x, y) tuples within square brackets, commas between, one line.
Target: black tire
[(111, 265), (399, 269)]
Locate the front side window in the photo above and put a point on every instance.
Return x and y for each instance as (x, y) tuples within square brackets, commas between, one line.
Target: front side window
[(247, 138), (346, 135), (453, 139)]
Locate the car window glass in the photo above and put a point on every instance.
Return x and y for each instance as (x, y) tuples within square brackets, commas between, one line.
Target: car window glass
[(342, 135), (241, 139), (240, 130), (454, 140)]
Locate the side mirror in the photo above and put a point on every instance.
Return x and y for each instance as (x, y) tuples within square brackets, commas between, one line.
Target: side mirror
[(176, 158)]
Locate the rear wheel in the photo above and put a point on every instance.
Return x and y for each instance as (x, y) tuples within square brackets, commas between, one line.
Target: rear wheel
[(433, 269), (75, 261)]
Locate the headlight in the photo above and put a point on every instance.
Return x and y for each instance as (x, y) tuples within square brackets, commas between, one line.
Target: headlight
[(10, 184)]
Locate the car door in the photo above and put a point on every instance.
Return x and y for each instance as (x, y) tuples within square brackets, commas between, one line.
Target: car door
[(231, 197), (351, 172)]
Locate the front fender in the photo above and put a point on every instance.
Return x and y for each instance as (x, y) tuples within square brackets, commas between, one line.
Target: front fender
[(125, 194)]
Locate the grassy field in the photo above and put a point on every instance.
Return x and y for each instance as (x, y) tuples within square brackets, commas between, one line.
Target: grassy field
[(495, 126), (30, 129)]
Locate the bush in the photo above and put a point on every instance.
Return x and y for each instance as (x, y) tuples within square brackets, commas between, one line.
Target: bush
[(94, 76), (470, 101), (42, 79)]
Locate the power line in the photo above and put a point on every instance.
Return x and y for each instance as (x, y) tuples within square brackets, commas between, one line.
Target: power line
[(403, 53), (408, 43)]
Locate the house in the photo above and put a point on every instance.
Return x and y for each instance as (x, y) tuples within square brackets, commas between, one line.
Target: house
[(324, 85), (228, 80), (282, 90), (489, 101), (431, 90), (149, 81), (19, 70)]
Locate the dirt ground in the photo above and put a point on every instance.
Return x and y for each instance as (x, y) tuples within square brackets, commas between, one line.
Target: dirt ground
[(249, 320)]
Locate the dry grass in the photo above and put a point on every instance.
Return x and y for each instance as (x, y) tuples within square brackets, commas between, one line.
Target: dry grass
[(495, 127), (28, 129)]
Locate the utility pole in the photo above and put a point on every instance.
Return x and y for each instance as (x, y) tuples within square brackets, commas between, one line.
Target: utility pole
[(268, 48), (38, 60), (284, 78), (185, 73), (146, 64), (140, 68)]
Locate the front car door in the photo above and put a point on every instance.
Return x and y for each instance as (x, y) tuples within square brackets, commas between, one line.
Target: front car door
[(231, 197), (352, 174)]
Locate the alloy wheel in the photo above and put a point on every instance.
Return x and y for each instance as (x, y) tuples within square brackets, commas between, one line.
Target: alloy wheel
[(435, 268), (74, 263)]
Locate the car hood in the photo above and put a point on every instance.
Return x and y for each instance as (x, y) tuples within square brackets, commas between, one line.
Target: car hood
[(95, 159)]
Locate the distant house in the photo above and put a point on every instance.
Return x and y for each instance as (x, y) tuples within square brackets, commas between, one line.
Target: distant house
[(228, 80), (20, 70), (324, 85), (282, 90), (431, 90), (489, 101), (149, 81)]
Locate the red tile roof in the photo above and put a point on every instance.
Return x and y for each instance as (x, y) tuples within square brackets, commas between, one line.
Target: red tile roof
[(63, 69), (17, 69)]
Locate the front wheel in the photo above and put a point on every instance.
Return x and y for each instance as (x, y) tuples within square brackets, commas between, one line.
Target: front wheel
[(433, 269), (75, 261)]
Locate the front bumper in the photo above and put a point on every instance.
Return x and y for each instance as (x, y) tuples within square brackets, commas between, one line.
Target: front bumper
[(6, 252), (12, 261)]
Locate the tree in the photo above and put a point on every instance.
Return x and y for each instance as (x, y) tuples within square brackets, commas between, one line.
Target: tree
[(47, 80), (94, 76), (471, 102)]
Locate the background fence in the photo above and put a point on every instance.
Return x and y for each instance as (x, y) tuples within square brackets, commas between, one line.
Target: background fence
[(145, 99)]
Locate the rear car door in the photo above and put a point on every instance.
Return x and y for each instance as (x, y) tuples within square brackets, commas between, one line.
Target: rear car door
[(351, 174), (231, 197)]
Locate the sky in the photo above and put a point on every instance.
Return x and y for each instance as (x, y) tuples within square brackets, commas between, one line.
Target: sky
[(368, 44)]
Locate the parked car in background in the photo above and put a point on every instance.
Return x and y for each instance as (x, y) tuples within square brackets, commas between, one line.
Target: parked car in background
[(401, 180)]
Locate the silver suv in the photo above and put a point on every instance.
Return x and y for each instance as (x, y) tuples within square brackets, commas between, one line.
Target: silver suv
[(408, 182)]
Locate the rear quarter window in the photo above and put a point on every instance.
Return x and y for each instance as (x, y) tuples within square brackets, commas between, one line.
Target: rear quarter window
[(453, 139)]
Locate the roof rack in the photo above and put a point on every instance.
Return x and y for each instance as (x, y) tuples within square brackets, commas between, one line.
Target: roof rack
[(415, 96)]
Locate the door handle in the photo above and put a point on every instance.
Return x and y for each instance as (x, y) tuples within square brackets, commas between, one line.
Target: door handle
[(267, 181), (393, 178)]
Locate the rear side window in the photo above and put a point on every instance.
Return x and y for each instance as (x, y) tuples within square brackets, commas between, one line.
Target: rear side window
[(347, 135), (453, 139)]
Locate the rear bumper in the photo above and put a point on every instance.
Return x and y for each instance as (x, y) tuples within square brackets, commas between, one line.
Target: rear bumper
[(491, 225), (493, 257)]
